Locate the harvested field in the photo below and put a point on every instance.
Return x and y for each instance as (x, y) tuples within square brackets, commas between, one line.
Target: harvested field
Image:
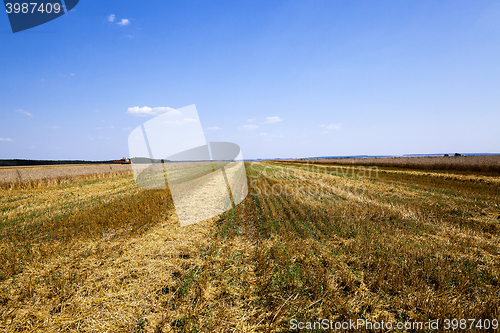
[(309, 242), (34, 176), (489, 164)]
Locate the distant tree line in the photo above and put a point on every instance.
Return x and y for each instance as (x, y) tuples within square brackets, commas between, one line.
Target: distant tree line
[(146, 160)]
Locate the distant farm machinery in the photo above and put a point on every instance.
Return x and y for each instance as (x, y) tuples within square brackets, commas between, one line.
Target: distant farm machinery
[(124, 160)]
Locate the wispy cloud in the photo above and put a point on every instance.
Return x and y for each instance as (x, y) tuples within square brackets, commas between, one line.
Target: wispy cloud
[(111, 17), (6, 139), (72, 74), (105, 128), (54, 127), (147, 111), (263, 134), (127, 128), (25, 112), (272, 120), (248, 127), (331, 126), (123, 22), (252, 119), (213, 129)]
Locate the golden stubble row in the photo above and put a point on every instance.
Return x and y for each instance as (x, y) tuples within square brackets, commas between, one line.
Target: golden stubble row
[(486, 163), (32, 177)]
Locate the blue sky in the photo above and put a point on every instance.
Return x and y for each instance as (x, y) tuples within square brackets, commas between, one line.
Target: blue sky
[(279, 78)]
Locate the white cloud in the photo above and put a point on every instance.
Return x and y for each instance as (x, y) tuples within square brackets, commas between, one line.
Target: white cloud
[(111, 17), (124, 22), (127, 128), (272, 120), (215, 128), (24, 112), (263, 134), (252, 119), (331, 126), (6, 139), (147, 111), (105, 128), (54, 127), (72, 74), (248, 127)]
